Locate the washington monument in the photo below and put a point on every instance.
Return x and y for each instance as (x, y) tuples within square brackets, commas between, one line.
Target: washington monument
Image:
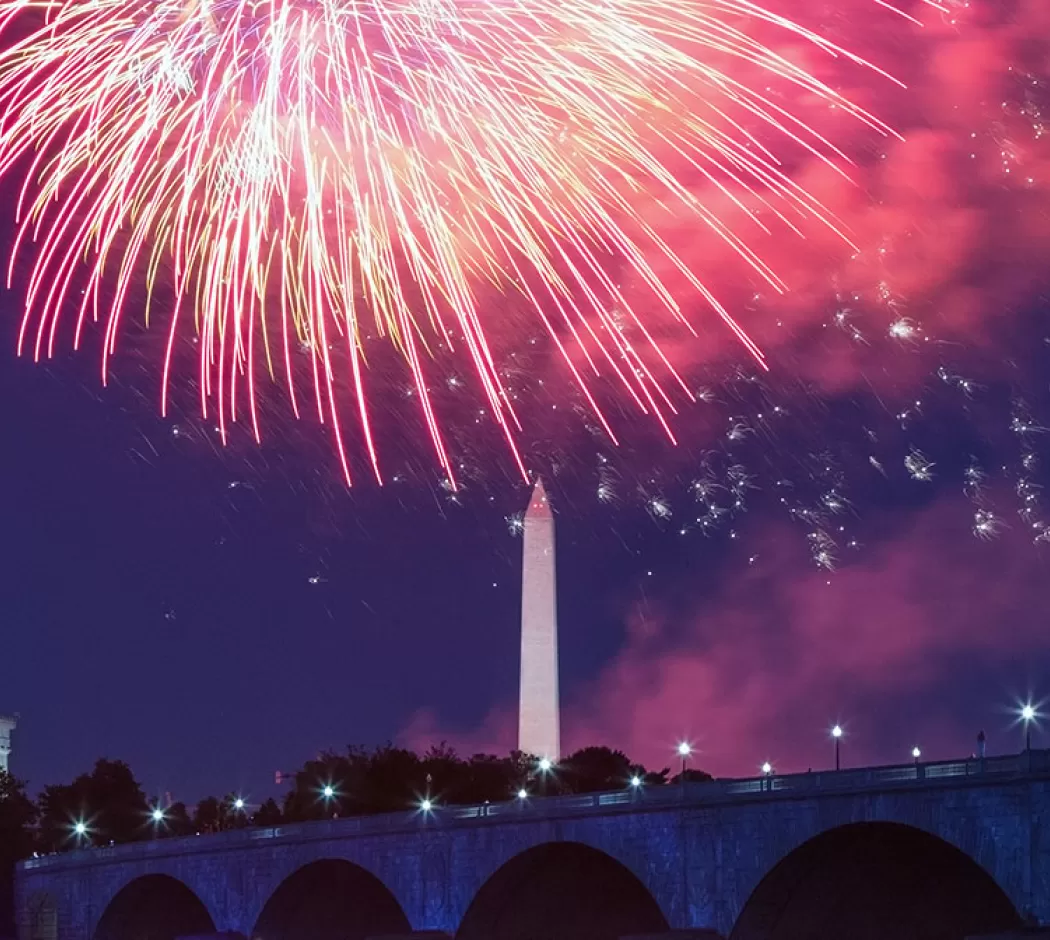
[(7, 725), (539, 722)]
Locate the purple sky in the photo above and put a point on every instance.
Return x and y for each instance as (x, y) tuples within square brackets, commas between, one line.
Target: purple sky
[(856, 536)]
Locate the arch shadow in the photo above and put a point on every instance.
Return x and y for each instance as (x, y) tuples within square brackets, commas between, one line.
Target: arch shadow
[(561, 891), (154, 907), (330, 899), (873, 880)]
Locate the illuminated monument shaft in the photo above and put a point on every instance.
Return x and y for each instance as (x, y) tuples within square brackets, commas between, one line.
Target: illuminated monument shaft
[(7, 725), (539, 731)]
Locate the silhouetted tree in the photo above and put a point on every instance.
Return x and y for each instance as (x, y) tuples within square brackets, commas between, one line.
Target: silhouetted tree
[(177, 821), (593, 769), (212, 815), (444, 775), (17, 815), (650, 778), (391, 779), (396, 779), (341, 775), (692, 776), (269, 814), (488, 778), (109, 801)]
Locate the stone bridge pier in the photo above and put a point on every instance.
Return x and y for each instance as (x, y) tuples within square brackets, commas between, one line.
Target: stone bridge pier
[(916, 852)]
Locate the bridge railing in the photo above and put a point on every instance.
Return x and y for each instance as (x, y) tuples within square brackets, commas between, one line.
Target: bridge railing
[(691, 795)]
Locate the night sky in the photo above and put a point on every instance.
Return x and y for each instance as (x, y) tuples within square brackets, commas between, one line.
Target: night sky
[(858, 536)]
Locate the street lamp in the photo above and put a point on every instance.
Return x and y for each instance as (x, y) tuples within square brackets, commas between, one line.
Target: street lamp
[(426, 805), (684, 750), (767, 768), (836, 733), (636, 781), (328, 794), (238, 804), (1028, 716), (916, 753), (523, 794), (545, 765), (157, 815)]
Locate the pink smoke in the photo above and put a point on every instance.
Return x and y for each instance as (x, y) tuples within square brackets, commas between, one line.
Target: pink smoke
[(763, 667)]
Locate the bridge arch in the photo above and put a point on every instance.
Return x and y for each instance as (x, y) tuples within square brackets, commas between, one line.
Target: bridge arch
[(330, 899), (871, 880), (561, 891), (153, 907)]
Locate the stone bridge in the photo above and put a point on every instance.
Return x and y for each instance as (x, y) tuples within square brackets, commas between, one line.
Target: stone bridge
[(939, 850)]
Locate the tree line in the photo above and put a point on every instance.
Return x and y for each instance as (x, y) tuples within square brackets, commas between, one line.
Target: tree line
[(109, 806)]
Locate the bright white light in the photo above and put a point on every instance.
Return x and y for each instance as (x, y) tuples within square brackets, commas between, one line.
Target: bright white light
[(836, 732), (1028, 713), (238, 803), (523, 794), (684, 750), (916, 753), (767, 768), (545, 764), (158, 815), (636, 781), (328, 792), (80, 828), (425, 806)]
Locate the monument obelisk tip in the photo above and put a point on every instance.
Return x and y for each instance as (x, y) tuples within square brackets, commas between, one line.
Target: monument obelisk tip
[(539, 504)]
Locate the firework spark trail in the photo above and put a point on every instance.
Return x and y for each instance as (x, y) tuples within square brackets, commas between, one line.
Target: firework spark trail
[(335, 169)]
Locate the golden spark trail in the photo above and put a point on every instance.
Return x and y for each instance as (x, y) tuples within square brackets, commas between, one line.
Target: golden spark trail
[(315, 174)]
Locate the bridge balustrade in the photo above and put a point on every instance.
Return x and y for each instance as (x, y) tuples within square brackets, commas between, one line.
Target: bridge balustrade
[(630, 799)]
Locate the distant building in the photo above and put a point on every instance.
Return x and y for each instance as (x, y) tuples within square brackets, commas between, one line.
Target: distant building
[(7, 725), (539, 720)]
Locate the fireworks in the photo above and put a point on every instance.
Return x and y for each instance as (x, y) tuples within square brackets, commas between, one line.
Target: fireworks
[(290, 182)]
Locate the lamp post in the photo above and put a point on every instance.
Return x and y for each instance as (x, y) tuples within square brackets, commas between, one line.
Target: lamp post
[(836, 733), (545, 766), (916, 753), (1028, 716), (684, 750), (328, 795)]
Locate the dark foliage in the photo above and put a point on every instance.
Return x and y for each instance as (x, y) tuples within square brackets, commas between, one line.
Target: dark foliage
[(17, 815), (111, 804), (109, 801)]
